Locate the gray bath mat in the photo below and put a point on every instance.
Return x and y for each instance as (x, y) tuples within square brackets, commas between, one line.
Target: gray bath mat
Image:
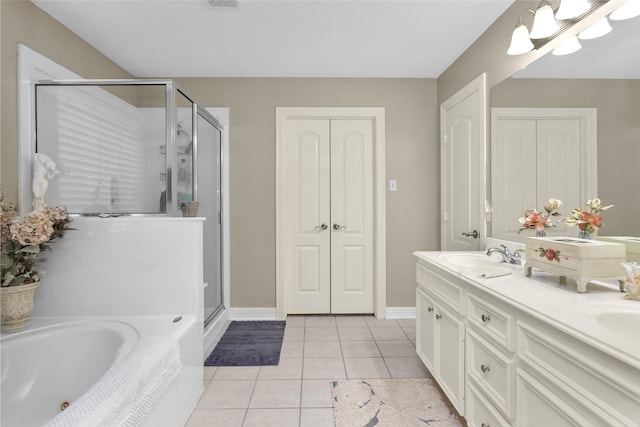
[(249, 343)]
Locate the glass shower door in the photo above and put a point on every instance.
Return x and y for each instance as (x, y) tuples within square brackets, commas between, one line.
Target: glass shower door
[(209, 192)]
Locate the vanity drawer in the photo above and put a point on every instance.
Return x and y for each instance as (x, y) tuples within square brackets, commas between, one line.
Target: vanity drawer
[(580, 371), (479, 412), (441, 285), (493, 371), (496, 323)]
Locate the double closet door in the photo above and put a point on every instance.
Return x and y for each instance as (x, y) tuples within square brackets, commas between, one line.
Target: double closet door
[(329, 227)]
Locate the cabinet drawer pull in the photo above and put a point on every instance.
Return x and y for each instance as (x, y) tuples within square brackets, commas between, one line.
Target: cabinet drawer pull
[(438, 316), (485, 368), (429, 309), (484, 425), (485, 318)]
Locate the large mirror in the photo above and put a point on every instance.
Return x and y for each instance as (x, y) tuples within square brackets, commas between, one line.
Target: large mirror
[(604, 75)]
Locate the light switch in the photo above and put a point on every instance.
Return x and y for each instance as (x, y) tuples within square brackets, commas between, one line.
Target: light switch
[(393, 185)]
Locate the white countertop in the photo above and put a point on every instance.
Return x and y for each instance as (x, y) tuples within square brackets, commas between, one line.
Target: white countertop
[(561, 306)]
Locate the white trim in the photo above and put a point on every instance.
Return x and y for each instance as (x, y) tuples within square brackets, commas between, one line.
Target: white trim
[(32, 67), (479, 85), (380, 214), (265, 313), (401, 312)]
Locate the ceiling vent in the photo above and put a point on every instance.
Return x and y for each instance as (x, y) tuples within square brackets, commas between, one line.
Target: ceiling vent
[(223, 3)]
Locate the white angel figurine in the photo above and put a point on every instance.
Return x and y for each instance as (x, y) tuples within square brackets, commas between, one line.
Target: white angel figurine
[(43, 170)]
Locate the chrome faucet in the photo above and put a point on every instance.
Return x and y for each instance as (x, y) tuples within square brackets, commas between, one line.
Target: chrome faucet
[(507, 256)]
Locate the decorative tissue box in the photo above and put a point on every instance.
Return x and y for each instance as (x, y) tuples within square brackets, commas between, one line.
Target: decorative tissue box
[(582, 260), (632, 245)]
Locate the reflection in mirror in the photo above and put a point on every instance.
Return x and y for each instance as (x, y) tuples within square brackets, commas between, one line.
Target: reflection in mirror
[(106, 147), (604, 75)]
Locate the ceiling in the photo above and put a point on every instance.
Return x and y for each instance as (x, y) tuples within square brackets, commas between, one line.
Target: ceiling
[(279, 38)]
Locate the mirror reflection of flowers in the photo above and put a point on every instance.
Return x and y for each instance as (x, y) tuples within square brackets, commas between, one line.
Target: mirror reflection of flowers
[(24, 237), (587, 221), (540, 221)]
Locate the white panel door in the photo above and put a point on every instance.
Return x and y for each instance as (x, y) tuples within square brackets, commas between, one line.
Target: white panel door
[(352, 216), (513, 175), (559, 170), (329, 228), (462, 127), (538, 154), (308, 258)]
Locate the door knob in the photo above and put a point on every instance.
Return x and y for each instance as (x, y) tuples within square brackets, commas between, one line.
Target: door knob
[(473, 234), (337, 226), (321, 227)]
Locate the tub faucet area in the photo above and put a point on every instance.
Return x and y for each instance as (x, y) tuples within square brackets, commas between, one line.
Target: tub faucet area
[(507, 256)]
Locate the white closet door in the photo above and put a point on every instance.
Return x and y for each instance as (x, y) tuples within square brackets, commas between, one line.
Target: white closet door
[(538, 154), (352, 216), (308, 255), (330, 194), (513, 177), (559, 152)]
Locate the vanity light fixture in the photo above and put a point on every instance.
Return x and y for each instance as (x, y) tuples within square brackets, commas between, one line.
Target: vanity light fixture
[(544, 23), (629, 10), (570, 9), (571, 45), (598, 29), (545, 27)]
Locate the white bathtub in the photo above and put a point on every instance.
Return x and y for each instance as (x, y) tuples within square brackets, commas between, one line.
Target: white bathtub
[(56, 360)]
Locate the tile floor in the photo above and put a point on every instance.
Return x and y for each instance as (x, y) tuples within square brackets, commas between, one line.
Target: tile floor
[(315, 350)]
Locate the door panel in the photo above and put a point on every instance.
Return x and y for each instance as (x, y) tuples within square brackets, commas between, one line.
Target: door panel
[(352, 216), (308, 265)]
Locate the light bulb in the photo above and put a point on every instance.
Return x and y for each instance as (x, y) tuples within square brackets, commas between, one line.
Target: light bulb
[(520, 41), (544, 23), (598, 29), (570, 9), (571, 45), (630, 9)]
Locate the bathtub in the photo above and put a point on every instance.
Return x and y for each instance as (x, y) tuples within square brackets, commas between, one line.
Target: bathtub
[(48, 366)]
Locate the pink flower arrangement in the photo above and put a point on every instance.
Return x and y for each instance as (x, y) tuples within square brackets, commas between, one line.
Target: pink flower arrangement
[(540, 221), (24, 237), (590, 221)]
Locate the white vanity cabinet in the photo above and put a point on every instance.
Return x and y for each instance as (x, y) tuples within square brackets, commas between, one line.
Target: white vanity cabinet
[(441, 331), (518, 364), (490, 362)]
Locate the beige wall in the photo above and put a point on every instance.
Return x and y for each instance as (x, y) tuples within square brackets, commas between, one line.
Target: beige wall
[(411, 155), (618, 105), (411, 158), (23, 22)]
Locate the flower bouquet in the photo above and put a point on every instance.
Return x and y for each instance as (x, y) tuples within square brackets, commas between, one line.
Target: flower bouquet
[(587, 221), (540, 221), (23, 238)]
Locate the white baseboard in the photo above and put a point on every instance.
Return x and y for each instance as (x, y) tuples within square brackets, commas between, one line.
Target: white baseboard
[(266, 313), (401, 313)]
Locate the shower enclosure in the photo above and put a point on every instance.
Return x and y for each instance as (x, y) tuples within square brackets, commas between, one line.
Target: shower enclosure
[(134, 147)]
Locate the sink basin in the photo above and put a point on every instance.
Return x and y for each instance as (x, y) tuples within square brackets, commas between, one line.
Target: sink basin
[(623, 323), (470, 260)]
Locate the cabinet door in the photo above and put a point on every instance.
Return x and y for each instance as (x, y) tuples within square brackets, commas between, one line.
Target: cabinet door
[(450, 355), (425, 329)]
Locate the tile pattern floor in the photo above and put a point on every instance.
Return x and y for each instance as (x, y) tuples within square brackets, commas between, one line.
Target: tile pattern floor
[(315, 351)]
